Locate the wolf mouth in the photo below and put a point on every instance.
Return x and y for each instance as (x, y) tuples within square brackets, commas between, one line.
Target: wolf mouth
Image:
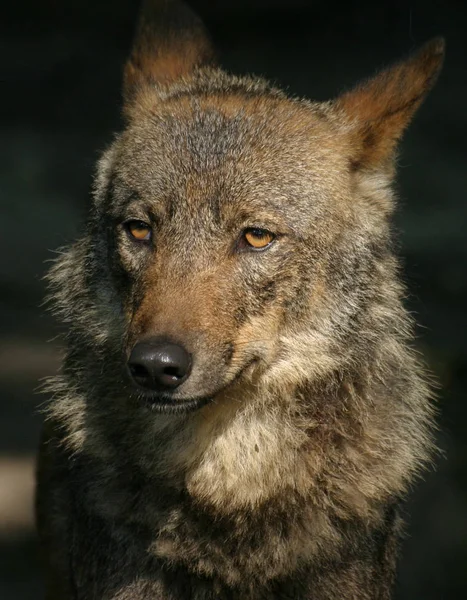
[(166, 404)]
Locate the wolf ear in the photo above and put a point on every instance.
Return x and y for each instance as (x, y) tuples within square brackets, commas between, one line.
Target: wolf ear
[(380, 109), (170, 42)]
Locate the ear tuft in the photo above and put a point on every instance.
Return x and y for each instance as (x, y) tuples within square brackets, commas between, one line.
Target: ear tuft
[(380, 109), (170, 43)]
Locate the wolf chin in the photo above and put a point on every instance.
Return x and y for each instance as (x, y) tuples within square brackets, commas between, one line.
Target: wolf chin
[(239, 414)]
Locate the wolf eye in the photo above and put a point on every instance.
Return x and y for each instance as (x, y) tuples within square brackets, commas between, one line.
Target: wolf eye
[(139, 230), (257, 239)]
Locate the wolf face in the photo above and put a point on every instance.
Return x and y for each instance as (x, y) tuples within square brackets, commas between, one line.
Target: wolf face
[(242, 201), (236, 230)]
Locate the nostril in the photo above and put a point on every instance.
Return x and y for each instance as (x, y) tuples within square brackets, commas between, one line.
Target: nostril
[(139, 371), (173, 372)]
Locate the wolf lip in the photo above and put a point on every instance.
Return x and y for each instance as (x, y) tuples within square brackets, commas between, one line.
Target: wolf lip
[(164, 403)]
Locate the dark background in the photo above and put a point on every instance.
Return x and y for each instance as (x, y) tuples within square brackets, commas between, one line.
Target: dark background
[(60, 101)]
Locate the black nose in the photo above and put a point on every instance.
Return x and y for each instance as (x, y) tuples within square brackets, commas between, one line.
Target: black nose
[(159, 365)]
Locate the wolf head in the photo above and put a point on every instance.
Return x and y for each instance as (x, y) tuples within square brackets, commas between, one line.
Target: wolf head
[(237, 234)]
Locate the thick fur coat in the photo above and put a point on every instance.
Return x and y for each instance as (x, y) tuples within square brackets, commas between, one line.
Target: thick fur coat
[(276, 470)]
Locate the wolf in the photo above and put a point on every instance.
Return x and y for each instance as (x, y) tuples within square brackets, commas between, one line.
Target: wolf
[(240, 412)]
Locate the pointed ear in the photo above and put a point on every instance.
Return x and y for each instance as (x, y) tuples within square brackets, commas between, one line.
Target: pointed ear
[(380, 109), (170, 42)]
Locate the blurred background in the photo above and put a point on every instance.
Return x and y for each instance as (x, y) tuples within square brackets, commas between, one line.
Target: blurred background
[(60, 70)]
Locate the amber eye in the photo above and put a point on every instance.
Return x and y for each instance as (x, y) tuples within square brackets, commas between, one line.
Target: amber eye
[(258, 239), (139, 230)]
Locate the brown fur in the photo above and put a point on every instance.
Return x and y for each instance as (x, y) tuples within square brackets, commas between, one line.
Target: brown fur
[(310, 413)]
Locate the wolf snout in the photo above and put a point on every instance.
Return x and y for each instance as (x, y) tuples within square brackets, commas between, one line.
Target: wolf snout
[(159, 365)]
